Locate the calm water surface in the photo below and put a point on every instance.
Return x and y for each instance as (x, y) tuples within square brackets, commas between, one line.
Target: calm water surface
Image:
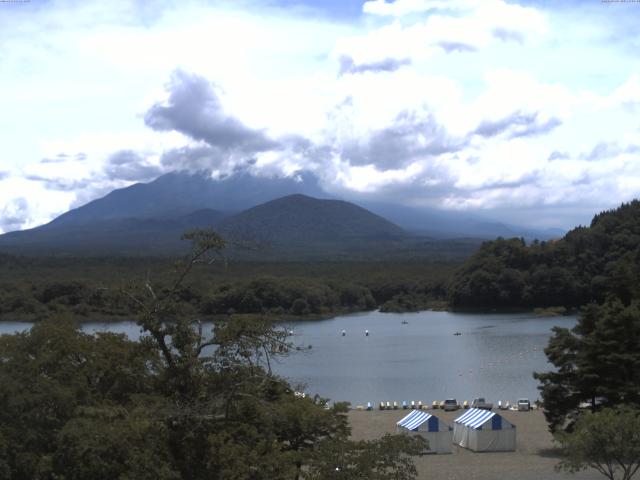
[(493, 357)]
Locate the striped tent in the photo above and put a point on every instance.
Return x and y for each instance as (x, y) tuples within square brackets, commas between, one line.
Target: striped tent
[(438, 433), (484, 431)]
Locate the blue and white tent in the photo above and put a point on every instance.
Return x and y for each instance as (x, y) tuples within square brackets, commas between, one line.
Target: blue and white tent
[(484, 431), (438, 433)]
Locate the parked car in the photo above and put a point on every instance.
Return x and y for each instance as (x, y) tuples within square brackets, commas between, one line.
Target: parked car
[(480, 402), (450, 404), (524, 405)]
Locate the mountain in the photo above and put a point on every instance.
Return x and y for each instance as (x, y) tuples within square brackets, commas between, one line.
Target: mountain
[(299, 223), (295, 227), (303, 219), (154, 215), (178, 194), (149, 236), (452, 224)]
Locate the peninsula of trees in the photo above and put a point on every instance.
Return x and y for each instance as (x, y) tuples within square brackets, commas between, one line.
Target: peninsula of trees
[(587, 265)]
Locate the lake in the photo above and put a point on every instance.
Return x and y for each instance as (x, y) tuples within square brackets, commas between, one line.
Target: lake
[(421, 359)]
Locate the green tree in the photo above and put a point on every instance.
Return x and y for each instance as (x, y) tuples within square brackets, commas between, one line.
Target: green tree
[(597, 362), (234, 417), (181, 403), (606, 441), (107, 442), (48, 375), (386, 459)]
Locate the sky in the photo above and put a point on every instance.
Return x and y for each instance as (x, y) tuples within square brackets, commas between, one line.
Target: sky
[(527, 112)]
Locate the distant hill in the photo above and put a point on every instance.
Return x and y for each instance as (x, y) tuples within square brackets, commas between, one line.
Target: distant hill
[(452, 224), (587, 264), (303, 219)]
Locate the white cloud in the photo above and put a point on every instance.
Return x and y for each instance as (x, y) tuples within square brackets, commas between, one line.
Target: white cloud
[(452, 102), (456, 26), (400, 8), (628, 94)]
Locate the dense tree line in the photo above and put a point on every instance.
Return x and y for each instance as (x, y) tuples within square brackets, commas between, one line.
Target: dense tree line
[(90, 288), (296, 296), (179, 404), (587, 265)]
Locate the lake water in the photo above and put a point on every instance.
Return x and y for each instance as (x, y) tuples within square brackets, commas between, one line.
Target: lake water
[(494, 356)]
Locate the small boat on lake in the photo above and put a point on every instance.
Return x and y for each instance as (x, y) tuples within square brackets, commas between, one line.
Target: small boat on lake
[(457, 333)]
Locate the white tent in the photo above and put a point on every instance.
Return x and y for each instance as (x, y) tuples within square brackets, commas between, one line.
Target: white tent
[(438, 433), (484, 431)]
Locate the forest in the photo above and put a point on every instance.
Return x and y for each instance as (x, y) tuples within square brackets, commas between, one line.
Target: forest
[(178, 404), (587, 265), (90, 287)]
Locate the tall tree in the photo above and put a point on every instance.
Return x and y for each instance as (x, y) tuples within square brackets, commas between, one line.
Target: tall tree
[(597, 363)]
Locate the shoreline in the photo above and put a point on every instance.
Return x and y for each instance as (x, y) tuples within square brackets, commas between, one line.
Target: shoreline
[(535, 456), (287, 318)]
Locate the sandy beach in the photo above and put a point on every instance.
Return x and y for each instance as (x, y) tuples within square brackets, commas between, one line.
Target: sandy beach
[(533, 459)]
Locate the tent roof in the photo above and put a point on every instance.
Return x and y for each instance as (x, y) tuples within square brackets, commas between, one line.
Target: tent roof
[(414, 419), (475, 417)]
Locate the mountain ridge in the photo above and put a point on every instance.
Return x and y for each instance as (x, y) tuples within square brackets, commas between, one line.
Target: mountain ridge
[(150, 218), (295, 223), (179, 193)]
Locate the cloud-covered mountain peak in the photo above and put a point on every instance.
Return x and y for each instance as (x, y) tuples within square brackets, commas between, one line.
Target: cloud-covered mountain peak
[(179, 193)]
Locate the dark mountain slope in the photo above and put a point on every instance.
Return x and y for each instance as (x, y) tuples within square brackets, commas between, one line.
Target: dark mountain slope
[(295, 227), (307, 225), (179, 193), (147, 236), (302, 219)]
